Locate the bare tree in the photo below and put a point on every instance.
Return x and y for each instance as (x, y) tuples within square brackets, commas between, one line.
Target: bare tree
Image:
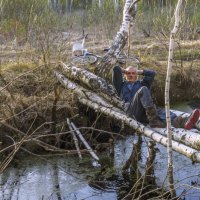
[(167, 106)]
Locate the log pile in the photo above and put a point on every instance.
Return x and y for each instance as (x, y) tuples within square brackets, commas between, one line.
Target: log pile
[(184, 142)]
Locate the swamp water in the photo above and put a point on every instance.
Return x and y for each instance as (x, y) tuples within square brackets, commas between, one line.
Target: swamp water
[(65, 178)]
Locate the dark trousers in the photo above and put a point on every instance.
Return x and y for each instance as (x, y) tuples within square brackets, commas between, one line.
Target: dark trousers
[(136, 108), (141, 101)]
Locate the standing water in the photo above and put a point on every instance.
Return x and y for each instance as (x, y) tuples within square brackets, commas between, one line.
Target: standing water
[(66, 178), (53, 179)]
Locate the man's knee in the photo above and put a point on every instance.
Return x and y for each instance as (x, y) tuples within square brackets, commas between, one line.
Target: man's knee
[(143, 90), (144, 97)]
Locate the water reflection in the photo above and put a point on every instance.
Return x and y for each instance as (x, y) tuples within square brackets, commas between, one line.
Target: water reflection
[(64, 178), (55, 180), (59, 178)]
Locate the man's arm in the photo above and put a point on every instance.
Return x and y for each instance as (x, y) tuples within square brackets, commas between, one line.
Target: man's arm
[(148, 77), (117, 78)]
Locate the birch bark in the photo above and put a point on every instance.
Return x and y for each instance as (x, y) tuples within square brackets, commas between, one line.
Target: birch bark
[(92, 153), (75, 139), (109, 59), (167, 105), (99, 85), (94, 82)]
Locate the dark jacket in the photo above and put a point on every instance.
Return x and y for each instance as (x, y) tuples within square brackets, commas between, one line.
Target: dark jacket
[(127, 94), (124, 92)]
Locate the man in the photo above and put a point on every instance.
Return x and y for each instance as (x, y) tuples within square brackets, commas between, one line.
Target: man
[(137, 100)]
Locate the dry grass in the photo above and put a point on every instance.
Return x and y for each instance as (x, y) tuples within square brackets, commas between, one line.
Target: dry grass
[(27, 84)]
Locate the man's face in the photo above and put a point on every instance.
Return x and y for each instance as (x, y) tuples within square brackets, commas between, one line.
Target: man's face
[(131, 75)]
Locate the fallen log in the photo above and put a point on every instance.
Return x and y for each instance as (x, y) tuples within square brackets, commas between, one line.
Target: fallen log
[(98, 103), (75, 139), (84, 142), (94, 82), (106, 90), (190, 138), (85, 93), (183, 149)]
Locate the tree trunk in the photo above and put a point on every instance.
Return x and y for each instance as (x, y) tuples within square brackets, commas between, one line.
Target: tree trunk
[(167, 105), (99, 85), (109, 59), (75, 139), (94, 82), (78, 133)]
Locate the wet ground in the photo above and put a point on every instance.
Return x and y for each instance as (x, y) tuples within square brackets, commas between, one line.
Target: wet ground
[(55, 178), (66, 178)]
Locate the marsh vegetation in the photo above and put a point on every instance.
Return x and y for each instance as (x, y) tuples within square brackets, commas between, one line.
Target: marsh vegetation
[(36, 35)]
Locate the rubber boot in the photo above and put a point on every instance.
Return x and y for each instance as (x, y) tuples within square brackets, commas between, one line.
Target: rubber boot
[(153, 118), (192, 120), (187, 122)]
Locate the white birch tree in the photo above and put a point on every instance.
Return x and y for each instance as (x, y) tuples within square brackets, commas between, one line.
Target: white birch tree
[(167, 104), (120, 40)]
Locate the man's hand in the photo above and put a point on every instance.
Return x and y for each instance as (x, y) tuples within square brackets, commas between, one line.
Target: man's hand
[(140, 72)]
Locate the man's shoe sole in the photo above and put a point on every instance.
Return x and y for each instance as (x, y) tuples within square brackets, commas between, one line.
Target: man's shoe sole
[(192, 119)]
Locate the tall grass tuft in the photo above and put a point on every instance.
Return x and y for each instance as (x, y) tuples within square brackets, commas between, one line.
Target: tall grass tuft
[(154, 18)]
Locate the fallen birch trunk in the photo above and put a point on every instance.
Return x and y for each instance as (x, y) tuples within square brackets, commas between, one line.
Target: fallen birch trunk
[(94, 82), (184, 136), (82, 92), (97, 103), (181, 148), (101, 86), (189, 152)]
